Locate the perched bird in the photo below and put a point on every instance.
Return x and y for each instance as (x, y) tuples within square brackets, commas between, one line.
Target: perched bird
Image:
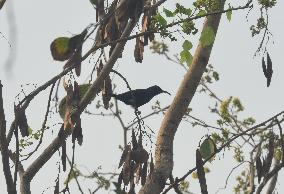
[(141, 96)]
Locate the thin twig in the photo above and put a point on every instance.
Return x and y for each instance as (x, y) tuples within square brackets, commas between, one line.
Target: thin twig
[(117, 114), (234, 137), (230, 173), (76, 178), (43, 126), (71, 169), (281, 138)]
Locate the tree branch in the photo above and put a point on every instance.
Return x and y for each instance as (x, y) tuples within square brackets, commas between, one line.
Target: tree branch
[(2, 2), (273, 181), (4, 148), (87, 98), (233, 138), (164, 149)]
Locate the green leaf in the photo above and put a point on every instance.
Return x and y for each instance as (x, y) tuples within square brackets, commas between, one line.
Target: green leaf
[(207, 148), (30, 130), (161, 20), (185, 56), (207, 36), (182, 10), (168, 13), (229, 13), (73, 174), (201, 13), (186, 45)]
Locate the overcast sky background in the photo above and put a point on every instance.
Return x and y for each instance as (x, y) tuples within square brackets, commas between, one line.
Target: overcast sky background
[(39, 22)]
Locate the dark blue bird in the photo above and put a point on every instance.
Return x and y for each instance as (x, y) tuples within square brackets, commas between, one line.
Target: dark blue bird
[(141, 96)]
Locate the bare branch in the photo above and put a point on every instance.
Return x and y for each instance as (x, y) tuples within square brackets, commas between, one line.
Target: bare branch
[(273, 181), (4, 148), (2, 2), (268, 176), (43, 125), (92, 91), (95, 87), (233, 138)]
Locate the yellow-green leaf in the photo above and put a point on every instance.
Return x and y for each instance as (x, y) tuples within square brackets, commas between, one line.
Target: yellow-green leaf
[(229, 13), (186, 45), (161, 20), (185, 56), (207, 148), (60, 49)]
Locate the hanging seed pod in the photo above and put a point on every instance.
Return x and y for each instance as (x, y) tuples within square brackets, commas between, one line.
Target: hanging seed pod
[(126, 169), (63, 155), (77, 132), (106, 92), (134, 141), (269, 70), (151, 165), (201, 173), (21, 121), (258, 167), (139, 50), (124, 154), (138, 173), (268, 160), (144, 174), (120, 178)]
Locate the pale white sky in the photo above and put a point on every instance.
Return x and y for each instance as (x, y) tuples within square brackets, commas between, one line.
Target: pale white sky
[(39, 22)]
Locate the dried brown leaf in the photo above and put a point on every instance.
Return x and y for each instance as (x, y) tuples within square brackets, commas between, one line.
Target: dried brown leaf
[(151, 165), (67, 120), (120, 177), (264, 67), (77, 132), (269, 69), (106, 92), (21, 120), (138, 173), (139, 50), (63, 155), (268, 160), (134, 141), (132, 188), (258, 167), (126, 169), (124, 155), (144, 173), (140, 139)]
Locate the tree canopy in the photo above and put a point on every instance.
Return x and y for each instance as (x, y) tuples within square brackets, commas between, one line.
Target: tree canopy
[(62, 132)]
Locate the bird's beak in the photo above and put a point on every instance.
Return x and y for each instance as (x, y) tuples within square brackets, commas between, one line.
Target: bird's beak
[(166, 92)]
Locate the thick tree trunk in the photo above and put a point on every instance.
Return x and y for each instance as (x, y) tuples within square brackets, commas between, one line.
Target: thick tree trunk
[(164, 149)]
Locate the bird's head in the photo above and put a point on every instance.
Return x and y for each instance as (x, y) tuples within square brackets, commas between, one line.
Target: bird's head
[(157, 90)]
